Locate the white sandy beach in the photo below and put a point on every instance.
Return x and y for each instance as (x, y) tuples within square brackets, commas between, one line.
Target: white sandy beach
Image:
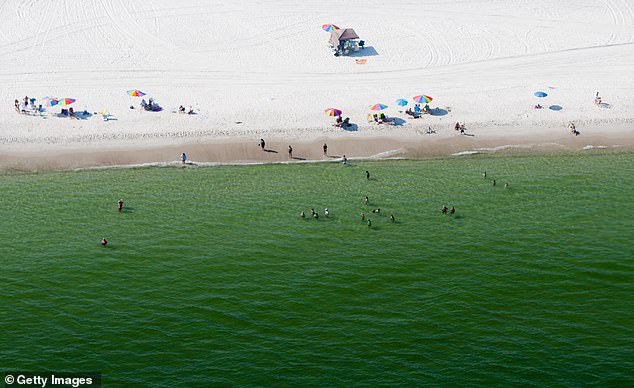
[(256, 69)]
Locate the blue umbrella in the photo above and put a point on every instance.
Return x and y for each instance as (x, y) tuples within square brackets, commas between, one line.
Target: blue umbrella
[(540, 94), (401, 102)]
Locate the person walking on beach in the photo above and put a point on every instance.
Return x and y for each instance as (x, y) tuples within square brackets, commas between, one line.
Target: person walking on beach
[(367, 174), (325, 147), (120, 205), (17, 106), (262, 144), (26, 102), (290, 152), (183, 157)]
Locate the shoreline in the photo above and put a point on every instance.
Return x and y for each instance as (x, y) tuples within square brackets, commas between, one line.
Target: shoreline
[(246, 151)]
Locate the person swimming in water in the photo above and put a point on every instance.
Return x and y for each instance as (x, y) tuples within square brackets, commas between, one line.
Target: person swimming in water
[(362, 216), (484, 175), (367, 174), (302, 214), (392, 220), (369, 223), (494, 182), (326, 212), (376, 211), (452, 210), (104, 242), (366, 200), (444, 209), (316, 216), (120, 205), (506, 185), (312, 212)]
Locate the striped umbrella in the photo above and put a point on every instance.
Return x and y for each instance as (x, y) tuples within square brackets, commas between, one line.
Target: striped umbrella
[(329, 27), (378, 107), (333, 112), (135, 93), (66, 101), (422, 99)]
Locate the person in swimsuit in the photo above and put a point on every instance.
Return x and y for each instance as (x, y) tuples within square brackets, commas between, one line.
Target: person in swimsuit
[(290, 152), (325, 147), (369, 223), (302, 214), (367, 174), (362, 216), (262, 144), (444, 209), (183, 157), (316, 216), (344, 160), (120, 205), (104, 242), (376, 211), (392, 220), (452, 210), (326, 212)]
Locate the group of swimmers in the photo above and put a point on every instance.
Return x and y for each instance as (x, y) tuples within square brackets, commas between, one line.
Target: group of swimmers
[(314, 214), (493, 181)]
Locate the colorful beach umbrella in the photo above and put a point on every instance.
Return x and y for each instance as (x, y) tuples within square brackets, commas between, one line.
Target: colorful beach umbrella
[(333, 112), (329, 27), (66, 101), (378, 107), (51, 101), (422, 99), (401, 102), (540, 94), (135, 93)]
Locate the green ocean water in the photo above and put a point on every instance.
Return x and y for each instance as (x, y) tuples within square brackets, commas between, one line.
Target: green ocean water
[(211, 278)]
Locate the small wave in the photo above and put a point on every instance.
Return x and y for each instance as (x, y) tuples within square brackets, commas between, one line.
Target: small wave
[(592, 147), (505, 147), (462, 153)]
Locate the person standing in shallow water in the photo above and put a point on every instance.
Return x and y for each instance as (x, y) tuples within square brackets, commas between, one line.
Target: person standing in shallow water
[(183, 157), (120, 205), (366, 200), (104, 242), (367, 174)]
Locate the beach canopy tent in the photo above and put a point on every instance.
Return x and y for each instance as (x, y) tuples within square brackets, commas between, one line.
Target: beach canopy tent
[(342, 35), (344, 40)]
